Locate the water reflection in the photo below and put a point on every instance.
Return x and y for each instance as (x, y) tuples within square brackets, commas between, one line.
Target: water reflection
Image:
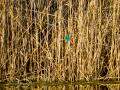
[(61, 87)]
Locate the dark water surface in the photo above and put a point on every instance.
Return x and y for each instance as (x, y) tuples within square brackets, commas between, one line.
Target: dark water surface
[(62, 86)]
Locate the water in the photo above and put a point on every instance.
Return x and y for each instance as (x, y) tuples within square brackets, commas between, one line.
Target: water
[(62, 86)]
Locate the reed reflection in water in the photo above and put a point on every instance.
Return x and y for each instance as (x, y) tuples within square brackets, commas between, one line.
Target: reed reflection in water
[(63, 87)]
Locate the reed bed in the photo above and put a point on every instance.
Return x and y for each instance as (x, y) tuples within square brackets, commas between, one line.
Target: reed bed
[(33, 47)]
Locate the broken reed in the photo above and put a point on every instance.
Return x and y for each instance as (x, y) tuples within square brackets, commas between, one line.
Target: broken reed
[(33, 47)]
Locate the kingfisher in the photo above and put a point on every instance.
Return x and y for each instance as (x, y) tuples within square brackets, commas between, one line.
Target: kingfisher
[(67, 38)]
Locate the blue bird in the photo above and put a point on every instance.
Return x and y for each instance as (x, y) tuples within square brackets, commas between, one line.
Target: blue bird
[(67, 38)]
